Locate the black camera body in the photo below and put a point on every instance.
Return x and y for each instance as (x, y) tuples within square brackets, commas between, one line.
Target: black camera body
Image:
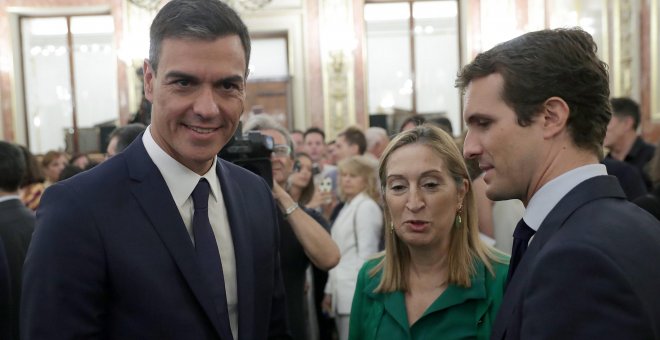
[(251, 151)]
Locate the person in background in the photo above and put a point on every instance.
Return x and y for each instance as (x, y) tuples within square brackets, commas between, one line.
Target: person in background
[(537, 109), (303, 237), (412, 122), (331, 157), (69, 171), (32, 185), (165, 240), (52, 165), (81, 161), (436, 279), (443, 123), (121, 137), (325, 173), (377, 140), (350, 142), (357, 231), (622, 139), (651, 201), (300, 184), (16, 227), (298, 138), (301, 188)]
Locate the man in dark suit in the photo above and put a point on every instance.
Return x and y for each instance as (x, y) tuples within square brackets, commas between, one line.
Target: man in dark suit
[(623, 141), (161, 241), (537, 109), (16, 227)]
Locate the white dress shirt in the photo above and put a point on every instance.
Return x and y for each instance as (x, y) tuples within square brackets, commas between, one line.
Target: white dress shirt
[(182, 181), (544, 200)]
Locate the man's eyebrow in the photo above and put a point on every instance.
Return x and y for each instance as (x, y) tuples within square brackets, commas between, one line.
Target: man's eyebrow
[(184, 75), (230, 79), (476, 116), (179, 74)]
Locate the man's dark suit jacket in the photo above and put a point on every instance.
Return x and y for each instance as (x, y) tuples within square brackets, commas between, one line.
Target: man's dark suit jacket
[(16, 227), (111, 258), (590, 272)]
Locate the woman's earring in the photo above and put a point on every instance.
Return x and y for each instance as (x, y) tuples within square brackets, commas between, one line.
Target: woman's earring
[(391, 227), (458, 219)]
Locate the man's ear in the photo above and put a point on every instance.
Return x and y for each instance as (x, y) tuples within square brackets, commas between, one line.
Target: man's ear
[(555, 116), (149, 75)]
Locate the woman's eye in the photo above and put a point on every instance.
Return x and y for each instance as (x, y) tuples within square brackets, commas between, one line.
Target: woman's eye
[(430, 185), (397, 187)]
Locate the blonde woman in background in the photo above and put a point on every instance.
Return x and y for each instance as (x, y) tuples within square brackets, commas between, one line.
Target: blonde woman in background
[(436, 279), (357, 231)]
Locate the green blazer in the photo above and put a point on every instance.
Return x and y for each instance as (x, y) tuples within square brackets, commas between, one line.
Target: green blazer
[(458, 313)]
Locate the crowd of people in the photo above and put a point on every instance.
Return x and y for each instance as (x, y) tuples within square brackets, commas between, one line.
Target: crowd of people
[(514, 230)]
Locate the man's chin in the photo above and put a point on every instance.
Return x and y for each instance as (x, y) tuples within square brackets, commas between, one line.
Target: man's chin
[(496, 194)]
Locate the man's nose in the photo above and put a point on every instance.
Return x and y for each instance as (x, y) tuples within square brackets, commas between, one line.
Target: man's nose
[(205, 104), (471, 147)]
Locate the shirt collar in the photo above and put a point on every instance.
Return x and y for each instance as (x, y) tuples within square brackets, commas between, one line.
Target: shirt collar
[(545, 199), (9, 197), (179, 179)]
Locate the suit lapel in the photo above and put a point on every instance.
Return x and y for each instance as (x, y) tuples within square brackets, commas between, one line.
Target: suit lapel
[(153, 195), (592, 189), (241, 234)]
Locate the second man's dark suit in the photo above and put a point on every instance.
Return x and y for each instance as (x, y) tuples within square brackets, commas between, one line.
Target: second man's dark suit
[(590, 272)]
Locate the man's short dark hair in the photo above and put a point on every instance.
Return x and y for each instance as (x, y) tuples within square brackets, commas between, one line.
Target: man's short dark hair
[(354, 136), (626, 107), (314, 130), (542, 64), (12, 167), (196, 19), (126, 135)]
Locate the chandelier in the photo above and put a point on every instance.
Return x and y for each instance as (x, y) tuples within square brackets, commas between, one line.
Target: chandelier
[(239, 5), (250, 5), (150, 5)]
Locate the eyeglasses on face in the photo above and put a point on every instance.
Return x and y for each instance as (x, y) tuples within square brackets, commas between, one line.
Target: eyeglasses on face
[(281, 150)]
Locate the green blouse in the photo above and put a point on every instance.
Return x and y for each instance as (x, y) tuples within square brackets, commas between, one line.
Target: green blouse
[(458, 313)]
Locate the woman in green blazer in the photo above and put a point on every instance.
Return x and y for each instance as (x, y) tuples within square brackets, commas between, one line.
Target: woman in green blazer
[(436, 279)]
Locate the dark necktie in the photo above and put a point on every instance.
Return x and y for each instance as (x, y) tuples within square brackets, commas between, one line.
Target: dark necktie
[(521, 237), (208, 255)]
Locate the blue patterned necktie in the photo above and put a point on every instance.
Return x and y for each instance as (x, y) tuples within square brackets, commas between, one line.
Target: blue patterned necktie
[(521, 236), (208, 255)]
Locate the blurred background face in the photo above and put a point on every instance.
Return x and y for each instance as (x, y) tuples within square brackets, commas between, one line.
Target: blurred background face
[(616, 129), (298, 143), (54, 168), (315, 146), (81, 162), (303, 175), (342, 149), (280, 161), (351, 184)]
